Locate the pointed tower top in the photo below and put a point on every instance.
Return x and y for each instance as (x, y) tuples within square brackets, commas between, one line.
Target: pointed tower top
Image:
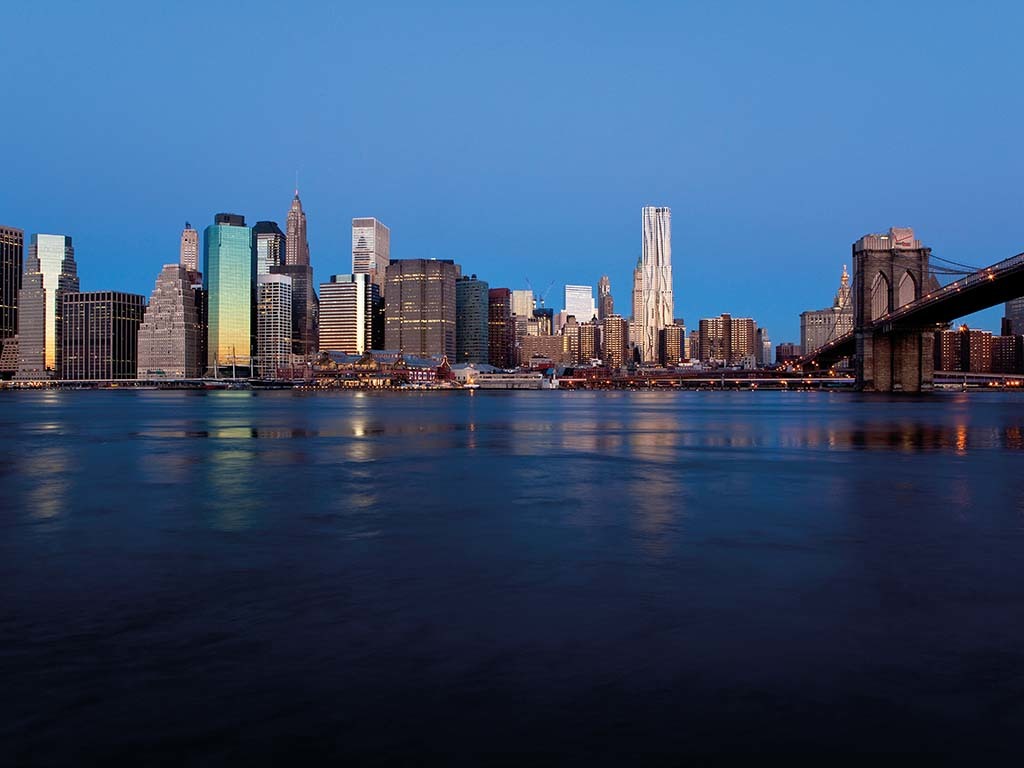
[(845, 279)]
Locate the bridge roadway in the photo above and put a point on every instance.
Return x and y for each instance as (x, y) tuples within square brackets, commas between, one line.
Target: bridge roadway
[(979, 290)]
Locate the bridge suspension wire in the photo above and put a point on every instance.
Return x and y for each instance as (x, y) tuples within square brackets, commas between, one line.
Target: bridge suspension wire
[(955, 264)]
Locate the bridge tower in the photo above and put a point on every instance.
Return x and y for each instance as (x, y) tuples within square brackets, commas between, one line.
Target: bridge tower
[(889, 271)]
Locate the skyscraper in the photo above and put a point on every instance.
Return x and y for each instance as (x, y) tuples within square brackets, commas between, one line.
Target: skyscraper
[(371, 249), (579, 302), (820, 326), (189, 257), (522, 303), (270, 246), (12, 257), (471, 318), (170, 337), (615, 341), (420, 306), (346, 313), (605, 302), (100, 335), (50, 272), (296, 245), (305, 307), (229, 274), (273, 325), (657, 306), (1013, 320), (501, 330), (727, 339)]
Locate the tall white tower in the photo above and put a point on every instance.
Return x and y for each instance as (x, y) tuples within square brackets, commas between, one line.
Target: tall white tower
[(657, 306)]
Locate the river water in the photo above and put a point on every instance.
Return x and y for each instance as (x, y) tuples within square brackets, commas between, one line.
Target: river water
[(227, 576)]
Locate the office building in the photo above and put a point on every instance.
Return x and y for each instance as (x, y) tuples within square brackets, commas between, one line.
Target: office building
[(189, 253), (270, 246), (501, 330), (656, 301), (1013, 319), (605, 302), (545, 321), (820, 326), (12, 259), (296, 244), (523, 303), (371, 249), (615, 341), (273, 325), (471, 320), (579, 303), (50, 273), (347, 305), (229, 277), (763, 348), (171, 334), (100, 335), (419, 299), (305, 308), (786, 352)]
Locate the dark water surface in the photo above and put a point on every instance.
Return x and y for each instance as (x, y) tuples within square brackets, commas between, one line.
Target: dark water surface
[(228, 576)]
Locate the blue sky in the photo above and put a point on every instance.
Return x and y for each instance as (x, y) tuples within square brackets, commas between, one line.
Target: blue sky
[(522, 139)]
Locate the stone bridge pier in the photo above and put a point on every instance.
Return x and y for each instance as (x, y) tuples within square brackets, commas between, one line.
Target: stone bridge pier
[(889, 271)]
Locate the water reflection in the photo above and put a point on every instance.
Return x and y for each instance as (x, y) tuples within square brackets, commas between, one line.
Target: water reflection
[(47, 474)]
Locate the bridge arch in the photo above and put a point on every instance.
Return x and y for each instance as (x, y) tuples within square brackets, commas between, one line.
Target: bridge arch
[(879, 296), (906, 292)]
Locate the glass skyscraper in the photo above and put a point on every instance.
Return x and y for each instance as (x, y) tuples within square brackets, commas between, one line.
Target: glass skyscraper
[(270, 246), (472, 299), (50, 272), (229, 276)]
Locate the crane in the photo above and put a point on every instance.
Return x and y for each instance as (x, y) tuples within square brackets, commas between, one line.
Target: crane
[(539, 298)]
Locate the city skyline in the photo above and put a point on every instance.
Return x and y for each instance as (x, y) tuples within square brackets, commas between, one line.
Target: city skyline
[(760, 177)]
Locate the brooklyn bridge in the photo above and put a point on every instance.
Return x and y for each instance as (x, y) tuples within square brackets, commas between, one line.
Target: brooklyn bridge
[(898, 305)]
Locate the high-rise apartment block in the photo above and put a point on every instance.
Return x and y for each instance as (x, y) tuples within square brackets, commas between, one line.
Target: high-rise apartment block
[(50, 273), (100, 335), (189, 253), (656, 301), (229, 274), (12, 259), (967, 350), (273, 325), (472, 304), (820, 326), (419, 298), (727, 339), (371, 249), (270, 246), (670, 351), (588, 348), (615, 341), (501, 330), (171, 336), (347, 307)]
